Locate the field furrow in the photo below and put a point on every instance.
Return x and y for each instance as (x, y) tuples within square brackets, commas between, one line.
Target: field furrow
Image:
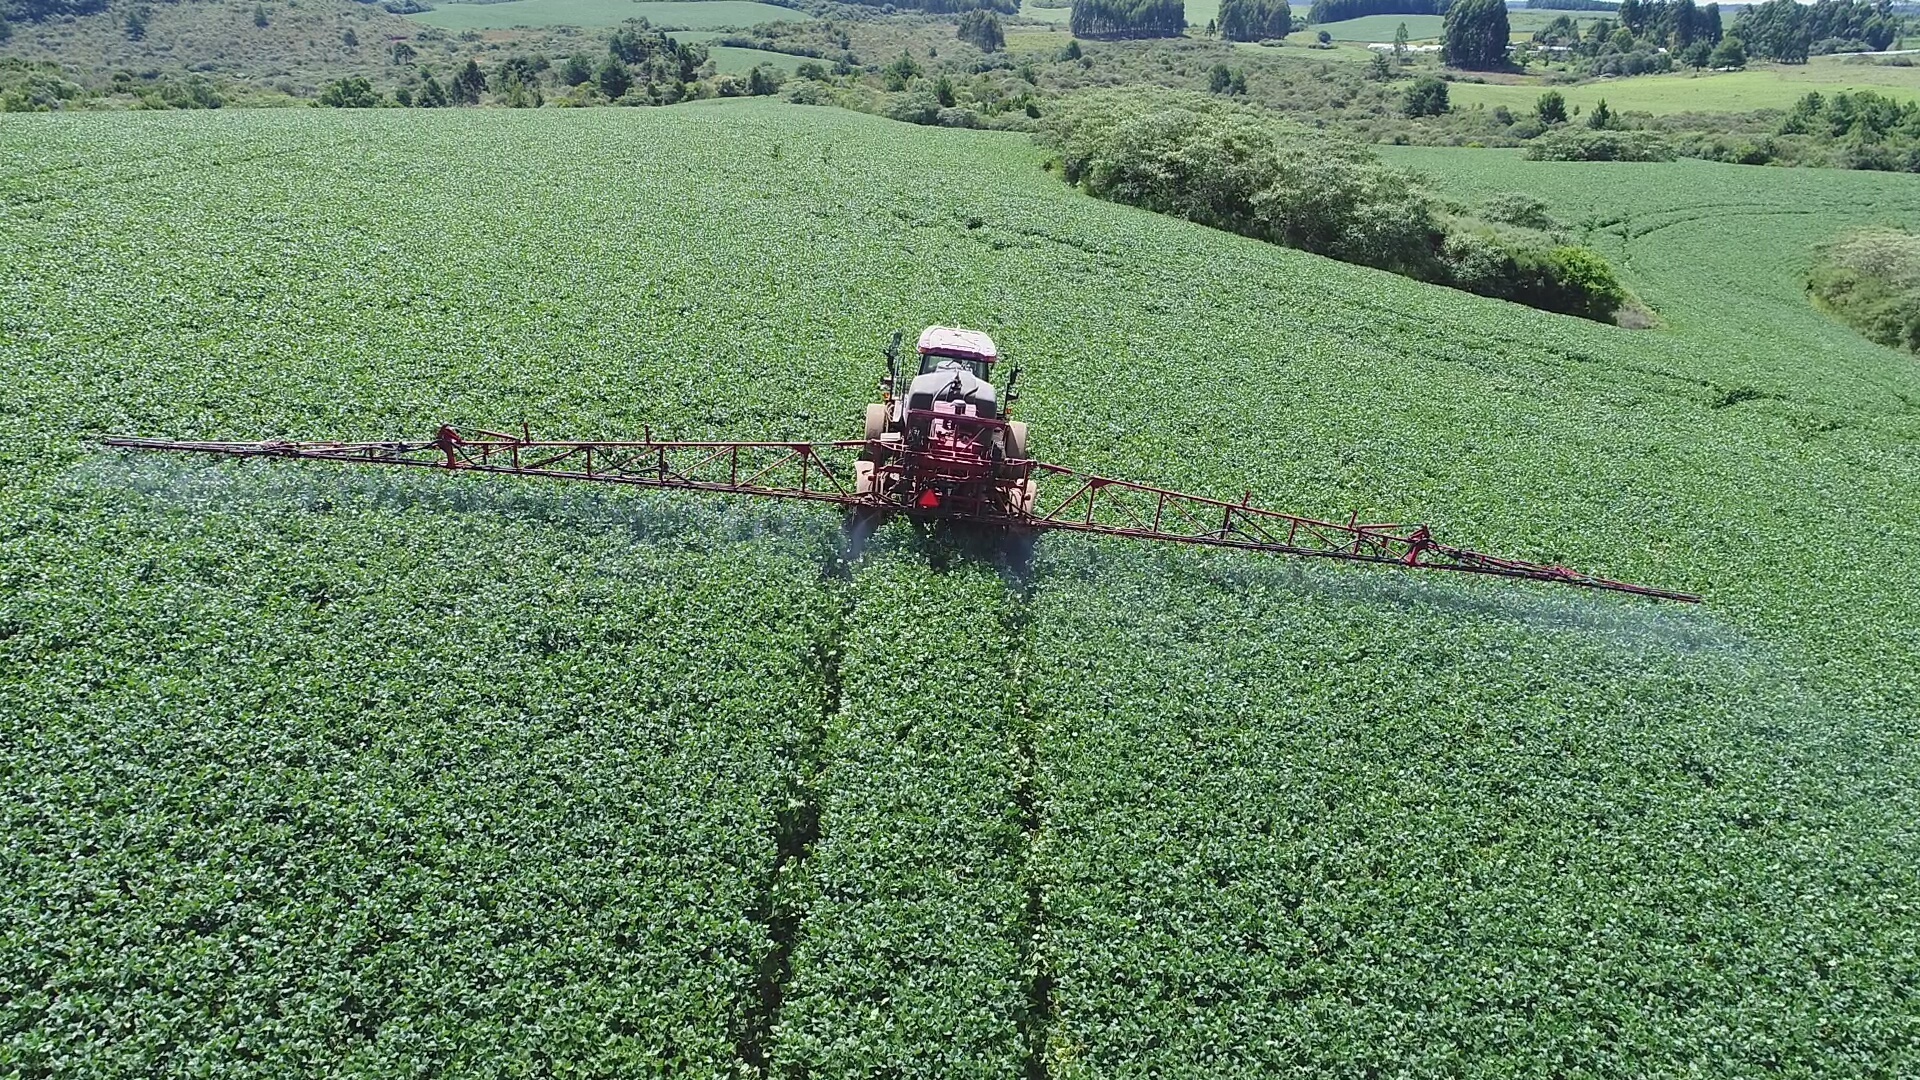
[(913, 925)]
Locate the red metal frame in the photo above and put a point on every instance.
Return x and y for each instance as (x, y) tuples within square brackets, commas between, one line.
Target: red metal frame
[(969, 486)]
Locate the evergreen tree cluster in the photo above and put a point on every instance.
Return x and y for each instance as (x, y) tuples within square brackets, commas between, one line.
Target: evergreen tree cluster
[(1255, 20), (1326, 11), (1475, 35), (1675, 24), (1649, 38), (1128, 18), (982, 29), (1788, 32)]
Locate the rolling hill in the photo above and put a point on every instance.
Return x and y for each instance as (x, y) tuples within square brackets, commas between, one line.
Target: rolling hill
[(314, 772)]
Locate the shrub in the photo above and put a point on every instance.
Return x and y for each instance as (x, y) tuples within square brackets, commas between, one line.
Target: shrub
[(1871, 281), (1426, 97), (1590, 145), (350, 93)]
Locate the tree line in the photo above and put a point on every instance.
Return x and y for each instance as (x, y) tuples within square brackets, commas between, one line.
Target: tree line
[(1788, 32), (1326, 11), (1244, 171), (1128, 18), (1255, 20)]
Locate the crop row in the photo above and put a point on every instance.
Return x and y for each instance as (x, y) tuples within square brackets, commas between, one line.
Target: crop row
[(1302, 825), (915, 930), (319, 775)]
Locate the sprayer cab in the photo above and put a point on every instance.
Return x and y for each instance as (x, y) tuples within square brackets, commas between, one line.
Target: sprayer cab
[(939, 440)]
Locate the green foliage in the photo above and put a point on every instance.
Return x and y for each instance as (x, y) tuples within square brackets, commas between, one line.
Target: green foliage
[(1426, 97), (913, 913), (1330, 11), (1233, 169), (982, 29), (1551, 108), (1730, 53), (467, 85), (1128, 18), (1607, 145), (351, 93), (1475, 35), (1255, 20), (612, 79), (1601, 117), (1871, 280), (260, 15), (1786, 31)]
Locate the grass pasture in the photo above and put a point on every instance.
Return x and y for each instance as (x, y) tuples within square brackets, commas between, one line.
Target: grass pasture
[(733, 60), (671, 14), (319, 772), (1773, 86)]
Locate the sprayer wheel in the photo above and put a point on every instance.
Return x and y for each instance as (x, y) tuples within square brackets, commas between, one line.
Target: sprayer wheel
[(876, 421), (1016, 445)]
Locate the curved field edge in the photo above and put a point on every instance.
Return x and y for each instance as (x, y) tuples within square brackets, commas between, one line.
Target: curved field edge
[(303, 275)]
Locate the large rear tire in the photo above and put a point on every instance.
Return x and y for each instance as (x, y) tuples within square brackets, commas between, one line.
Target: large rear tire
[(876, 422), (1016, 446)]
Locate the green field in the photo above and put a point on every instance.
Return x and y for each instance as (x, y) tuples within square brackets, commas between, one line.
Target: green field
[(1769, 87), (316, 771), (732, 60), (672, 14)]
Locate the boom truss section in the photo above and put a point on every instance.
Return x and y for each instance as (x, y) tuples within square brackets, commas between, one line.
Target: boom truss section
[(1065, 499)]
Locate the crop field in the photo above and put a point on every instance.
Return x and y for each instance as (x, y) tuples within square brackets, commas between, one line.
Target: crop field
[(316, 771), (733, 60), (672, 14), (1380, 28), (1767, 87)]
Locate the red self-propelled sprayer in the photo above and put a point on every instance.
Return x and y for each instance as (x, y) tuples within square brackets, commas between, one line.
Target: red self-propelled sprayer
[(939, 445)]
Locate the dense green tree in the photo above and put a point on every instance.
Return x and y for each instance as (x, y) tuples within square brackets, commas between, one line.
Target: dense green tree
[(353, 92), (982, 29), (576, 70), (1551, 108), (1255, 20), (136, 22), (1601, 117), (902, 71), (1332, 11), (612, 79), (1698, 55), (1426, 97), (468, 84), (1475, 35), (1379, 68), (432, 95), (762, 81), (402, 53), (1219, 78), (259, 14), (1128, 18), (1730, 53), (943, 90), (1401, 41)]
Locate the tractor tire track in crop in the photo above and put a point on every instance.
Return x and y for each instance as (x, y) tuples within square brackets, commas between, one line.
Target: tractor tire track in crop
[(796, 830), (1035, 964)]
